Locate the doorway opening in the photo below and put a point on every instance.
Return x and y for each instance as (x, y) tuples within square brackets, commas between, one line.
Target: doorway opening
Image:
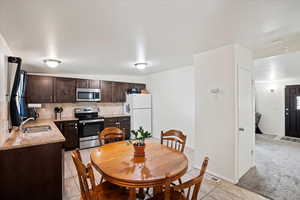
[(292, 111), (277, 148)]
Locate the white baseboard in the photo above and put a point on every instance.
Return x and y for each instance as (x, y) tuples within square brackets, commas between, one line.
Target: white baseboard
[(218, 175)]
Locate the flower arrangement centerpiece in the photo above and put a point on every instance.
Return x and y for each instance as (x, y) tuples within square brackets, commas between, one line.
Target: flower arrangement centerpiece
[(139, 141)]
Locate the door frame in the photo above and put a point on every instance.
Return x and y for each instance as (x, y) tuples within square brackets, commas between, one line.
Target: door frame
[(252, 163)]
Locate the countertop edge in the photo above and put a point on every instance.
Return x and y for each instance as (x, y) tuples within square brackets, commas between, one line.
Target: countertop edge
[(30, 145), (114, 115)]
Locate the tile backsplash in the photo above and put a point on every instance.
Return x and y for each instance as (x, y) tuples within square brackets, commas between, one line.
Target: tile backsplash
[(47, 110)]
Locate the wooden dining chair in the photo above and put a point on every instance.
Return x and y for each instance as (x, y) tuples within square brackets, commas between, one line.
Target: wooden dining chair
[(185, 191), (174, 139), (88, 188), (111, 134)]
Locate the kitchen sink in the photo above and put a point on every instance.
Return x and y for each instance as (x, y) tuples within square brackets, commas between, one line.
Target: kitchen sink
[(36, 129)]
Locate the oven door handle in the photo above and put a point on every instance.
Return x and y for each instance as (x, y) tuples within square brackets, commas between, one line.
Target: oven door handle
[(90, 121)]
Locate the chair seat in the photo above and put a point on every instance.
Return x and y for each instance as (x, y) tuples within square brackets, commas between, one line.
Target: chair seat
[(108, 191), (175, 195)]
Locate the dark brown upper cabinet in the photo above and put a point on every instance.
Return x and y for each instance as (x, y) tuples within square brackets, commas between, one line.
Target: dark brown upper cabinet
[(113, 91), (116, 92), (139, 85), (119, 91), (82, 83), (85, 83), (39, 89), (64, 90), (125, 87), (94, 84), (45, 89), (106, 91)]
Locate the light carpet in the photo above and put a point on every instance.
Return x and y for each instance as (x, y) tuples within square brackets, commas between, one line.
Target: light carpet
[(277, 171)]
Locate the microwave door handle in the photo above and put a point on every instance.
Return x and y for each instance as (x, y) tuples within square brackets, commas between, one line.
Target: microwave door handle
[(91, 121)]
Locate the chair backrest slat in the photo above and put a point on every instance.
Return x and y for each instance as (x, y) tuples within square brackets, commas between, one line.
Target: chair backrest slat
[(85, 175), (188, 193), (111, 134), (195, 183), (174, 139)]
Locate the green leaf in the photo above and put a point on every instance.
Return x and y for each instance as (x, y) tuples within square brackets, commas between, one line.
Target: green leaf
[(140, 135)]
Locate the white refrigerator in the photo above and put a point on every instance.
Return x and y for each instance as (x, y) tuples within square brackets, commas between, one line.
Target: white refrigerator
[(139, 107)]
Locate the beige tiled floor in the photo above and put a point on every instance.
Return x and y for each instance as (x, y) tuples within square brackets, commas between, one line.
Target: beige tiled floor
[(210, 190)]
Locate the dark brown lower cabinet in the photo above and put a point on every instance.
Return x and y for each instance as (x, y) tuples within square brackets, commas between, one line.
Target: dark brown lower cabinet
[(33, 173), (69, 129), (122, 123)]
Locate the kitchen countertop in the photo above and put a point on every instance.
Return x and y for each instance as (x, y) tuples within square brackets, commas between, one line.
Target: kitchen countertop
[(18, 140), (114, 115)]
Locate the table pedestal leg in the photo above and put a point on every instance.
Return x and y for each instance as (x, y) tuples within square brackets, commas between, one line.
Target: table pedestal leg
[(132, 194), (141, 194)]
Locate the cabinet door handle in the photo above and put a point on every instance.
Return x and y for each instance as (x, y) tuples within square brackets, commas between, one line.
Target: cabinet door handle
[(241, 129)]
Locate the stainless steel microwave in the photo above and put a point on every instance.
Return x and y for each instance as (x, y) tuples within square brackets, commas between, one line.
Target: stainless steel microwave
[(84, 94)]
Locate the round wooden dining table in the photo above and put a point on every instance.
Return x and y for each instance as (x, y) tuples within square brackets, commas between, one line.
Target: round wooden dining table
[(117, 164)]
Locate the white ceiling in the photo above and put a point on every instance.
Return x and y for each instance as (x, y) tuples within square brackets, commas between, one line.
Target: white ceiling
[(109, 36), (282, 67)]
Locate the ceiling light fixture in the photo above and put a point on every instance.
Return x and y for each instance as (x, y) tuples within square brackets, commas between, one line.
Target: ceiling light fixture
[(141, 65), (52, 63)]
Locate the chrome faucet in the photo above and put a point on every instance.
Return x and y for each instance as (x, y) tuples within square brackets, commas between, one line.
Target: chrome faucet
[(24, 122)]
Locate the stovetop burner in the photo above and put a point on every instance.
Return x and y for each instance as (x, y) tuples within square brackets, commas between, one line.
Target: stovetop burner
[(87, 113)]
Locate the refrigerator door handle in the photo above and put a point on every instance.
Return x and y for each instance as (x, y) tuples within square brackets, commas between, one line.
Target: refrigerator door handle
[(128, 108)]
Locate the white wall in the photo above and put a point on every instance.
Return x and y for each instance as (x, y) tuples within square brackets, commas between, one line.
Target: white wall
[(174, 101), (4, 50), (182, 100), (217, 115), (271, 105)]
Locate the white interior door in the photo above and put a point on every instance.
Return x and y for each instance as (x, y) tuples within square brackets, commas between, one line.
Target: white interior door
[(246, 133), (142, 118)]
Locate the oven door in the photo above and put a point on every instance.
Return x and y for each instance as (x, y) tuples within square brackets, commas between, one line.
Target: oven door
[(88, 132), (83, 94), (90, 128)]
